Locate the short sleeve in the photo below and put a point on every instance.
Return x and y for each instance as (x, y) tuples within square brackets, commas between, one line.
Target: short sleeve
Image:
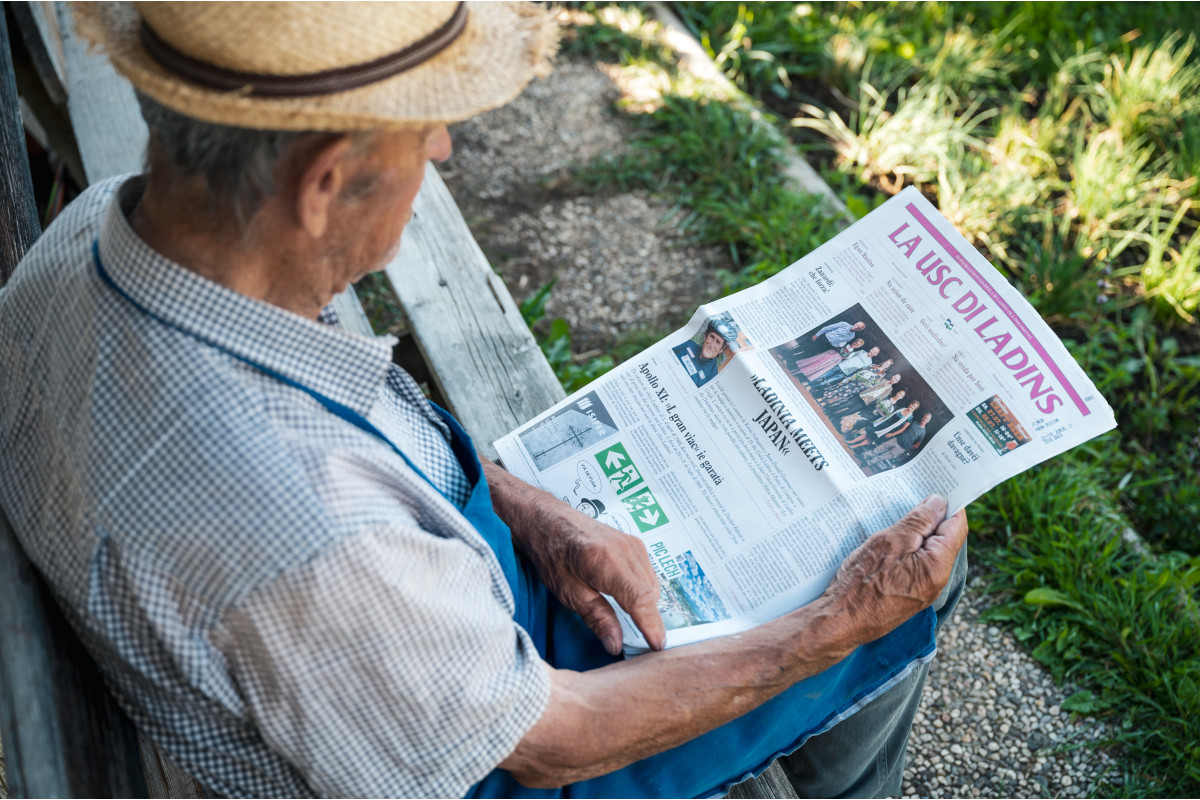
[(385, 667)]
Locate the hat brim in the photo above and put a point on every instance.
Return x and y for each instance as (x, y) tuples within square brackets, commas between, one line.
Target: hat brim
[(503, 46)]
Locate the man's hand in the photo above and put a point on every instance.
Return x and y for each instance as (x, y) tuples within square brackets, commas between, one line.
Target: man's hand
[(578, 558), (899, 570), (602, 719)]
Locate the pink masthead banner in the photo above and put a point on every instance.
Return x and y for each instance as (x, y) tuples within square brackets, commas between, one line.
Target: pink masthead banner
[(1004, 307)]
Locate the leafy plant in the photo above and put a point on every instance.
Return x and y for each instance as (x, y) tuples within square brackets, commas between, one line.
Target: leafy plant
[(967, 62), (1116, 187), (1091, 607), (556, 344)]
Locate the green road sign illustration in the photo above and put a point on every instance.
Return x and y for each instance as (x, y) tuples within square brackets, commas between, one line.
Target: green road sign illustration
[(626, 481), (619, 468), (646, 511)]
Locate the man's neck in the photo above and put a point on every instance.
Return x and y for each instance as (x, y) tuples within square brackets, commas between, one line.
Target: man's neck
[(174, 218)]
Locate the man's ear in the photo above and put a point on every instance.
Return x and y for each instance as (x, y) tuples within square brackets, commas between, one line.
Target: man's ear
[(322, 172)]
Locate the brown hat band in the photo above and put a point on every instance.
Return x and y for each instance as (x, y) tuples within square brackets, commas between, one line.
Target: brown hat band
[(330, 81)]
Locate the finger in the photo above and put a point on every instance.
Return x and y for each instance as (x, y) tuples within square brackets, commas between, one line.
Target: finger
[(632, 582), (600, 617), (643, 608), (949, 536)]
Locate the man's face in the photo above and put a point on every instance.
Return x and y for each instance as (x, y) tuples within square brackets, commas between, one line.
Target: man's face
[(925, 419), (713, 344), (381, 184)]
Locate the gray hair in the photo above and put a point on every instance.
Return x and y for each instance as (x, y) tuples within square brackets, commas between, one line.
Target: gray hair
[(238, 164)]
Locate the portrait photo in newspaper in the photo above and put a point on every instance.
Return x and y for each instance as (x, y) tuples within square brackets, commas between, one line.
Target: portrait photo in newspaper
[(711, 349), (872, 399)]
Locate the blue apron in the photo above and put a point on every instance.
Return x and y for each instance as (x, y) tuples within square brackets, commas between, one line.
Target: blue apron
[(705, 766), (709, 764)]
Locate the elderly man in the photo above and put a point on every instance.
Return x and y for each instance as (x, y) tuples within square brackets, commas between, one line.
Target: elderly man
[(290, 566), (703, 361)]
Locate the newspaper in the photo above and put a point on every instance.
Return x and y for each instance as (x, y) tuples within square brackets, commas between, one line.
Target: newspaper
[(755, 448)]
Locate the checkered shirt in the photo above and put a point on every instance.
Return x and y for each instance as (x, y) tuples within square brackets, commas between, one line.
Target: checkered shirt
[(277, 599)]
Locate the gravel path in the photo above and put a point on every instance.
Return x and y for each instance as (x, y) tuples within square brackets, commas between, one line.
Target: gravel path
[(621, 265), (991, 722)]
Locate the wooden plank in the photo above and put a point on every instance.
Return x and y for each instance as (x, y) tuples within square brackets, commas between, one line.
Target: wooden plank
[(164, 778), (38, 23), (34, 759), (485, 361), (773, 783), (64, 735), (104, 112), (18, 214), (350, 313), (39, 111)]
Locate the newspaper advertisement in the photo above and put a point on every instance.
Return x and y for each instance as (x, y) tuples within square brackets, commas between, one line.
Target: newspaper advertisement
[(755, 448)]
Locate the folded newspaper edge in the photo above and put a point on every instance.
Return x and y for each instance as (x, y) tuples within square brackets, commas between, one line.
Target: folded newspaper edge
[(753, 449)]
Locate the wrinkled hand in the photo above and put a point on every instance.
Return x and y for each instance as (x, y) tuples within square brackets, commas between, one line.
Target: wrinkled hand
[(899, 570), (578, 558)]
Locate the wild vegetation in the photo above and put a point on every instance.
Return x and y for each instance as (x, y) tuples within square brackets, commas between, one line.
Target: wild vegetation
[(1064, 140)]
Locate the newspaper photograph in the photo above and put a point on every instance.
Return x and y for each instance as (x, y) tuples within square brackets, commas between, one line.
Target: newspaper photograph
[(755, 448)]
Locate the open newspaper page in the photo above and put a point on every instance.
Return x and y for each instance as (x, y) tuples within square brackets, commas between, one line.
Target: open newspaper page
[(755, 448)]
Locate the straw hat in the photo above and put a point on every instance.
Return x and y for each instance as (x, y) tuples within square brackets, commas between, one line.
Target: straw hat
[(324, 65)]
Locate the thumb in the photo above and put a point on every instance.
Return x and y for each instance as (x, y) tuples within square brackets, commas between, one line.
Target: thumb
[(913, 528)]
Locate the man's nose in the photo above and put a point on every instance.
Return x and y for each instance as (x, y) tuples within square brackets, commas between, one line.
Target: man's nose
[(439, 146)]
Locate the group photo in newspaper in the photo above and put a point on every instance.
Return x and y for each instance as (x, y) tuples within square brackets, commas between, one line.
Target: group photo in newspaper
[(755, 448)]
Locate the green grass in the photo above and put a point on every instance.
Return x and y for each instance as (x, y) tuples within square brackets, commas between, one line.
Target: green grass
[(711, 160), (555, 342), (1063, 140), (1094, 610)]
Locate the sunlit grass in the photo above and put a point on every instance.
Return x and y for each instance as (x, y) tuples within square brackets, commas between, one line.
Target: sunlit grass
[(967, 61), (922, 137), (1116, 187), (1151, 92), (987, 205), (1171, 272)]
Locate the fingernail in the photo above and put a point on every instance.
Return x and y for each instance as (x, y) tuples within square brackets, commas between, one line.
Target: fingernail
[(610, 644), (935, 502)]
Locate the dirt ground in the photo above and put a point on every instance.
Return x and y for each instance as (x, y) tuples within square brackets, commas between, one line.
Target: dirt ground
[(621, 265)]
